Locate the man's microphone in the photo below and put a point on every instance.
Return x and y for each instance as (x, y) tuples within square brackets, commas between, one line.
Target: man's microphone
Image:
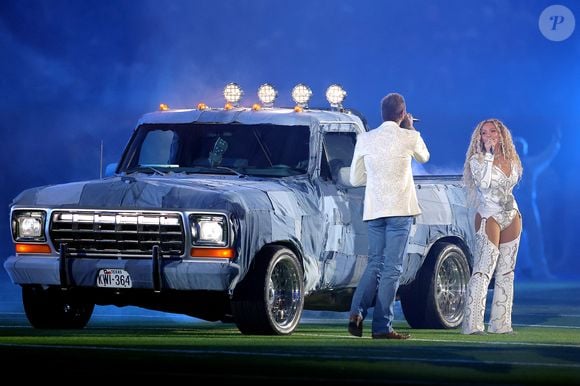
[(408, 121)]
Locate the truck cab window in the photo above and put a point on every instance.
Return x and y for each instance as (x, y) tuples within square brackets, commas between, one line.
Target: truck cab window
[(338, 148)]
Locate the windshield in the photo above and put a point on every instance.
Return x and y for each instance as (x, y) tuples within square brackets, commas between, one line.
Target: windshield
[(258, 150)]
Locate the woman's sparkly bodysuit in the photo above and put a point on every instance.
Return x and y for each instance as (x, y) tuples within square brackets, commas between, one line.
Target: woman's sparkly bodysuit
[(496, 201), (495, 197)]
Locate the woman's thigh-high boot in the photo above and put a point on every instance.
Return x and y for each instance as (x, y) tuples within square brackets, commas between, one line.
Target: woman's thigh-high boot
[(503, 293), (486, 256)]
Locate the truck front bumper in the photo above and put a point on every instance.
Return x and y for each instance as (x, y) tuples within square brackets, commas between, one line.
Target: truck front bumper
[(82, 272)]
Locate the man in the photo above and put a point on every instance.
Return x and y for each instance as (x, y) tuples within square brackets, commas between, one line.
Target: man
[(382, 160)]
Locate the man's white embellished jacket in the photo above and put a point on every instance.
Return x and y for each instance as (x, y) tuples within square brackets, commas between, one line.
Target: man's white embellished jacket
[(382, 162)]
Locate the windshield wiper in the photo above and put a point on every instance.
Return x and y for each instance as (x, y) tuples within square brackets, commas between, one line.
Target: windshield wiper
[(215, 169), (206, 169), (237, 173), (142, 168)]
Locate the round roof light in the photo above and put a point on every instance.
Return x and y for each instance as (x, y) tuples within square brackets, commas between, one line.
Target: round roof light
[(335, 94), (267, 94), (301, 94), (233, 93)]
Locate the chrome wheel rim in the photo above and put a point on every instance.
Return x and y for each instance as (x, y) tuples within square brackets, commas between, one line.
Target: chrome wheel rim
[(284, 294), (452, 278)]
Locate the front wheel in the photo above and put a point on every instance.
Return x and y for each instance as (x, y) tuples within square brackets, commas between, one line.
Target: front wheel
[(436, 298), (270, 299), (51, 308)]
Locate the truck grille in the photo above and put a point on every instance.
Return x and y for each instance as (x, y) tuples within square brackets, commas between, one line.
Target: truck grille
[(126, 234)]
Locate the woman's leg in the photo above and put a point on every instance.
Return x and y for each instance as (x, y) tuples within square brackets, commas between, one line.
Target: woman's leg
[(486, 255), (501, 306)]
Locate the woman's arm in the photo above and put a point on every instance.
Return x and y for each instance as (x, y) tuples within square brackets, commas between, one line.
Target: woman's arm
[(481, 170)]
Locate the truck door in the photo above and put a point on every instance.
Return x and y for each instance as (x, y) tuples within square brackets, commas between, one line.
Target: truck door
[(345, 247)]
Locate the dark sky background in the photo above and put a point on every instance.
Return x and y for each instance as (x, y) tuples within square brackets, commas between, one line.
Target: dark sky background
[(74, 74)]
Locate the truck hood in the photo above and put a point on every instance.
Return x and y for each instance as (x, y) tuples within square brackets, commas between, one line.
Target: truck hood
[(266, 210), (143, 191)]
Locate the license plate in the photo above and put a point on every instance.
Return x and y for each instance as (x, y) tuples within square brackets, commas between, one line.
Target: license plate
[(114, 278)]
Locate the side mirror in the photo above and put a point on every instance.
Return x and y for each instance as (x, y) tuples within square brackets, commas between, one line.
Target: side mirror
[(110, 169)]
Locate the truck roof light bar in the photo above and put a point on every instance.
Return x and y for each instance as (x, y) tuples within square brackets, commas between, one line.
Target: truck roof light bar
[(335, 94), (267, 94), (301, 95), (233, 94)]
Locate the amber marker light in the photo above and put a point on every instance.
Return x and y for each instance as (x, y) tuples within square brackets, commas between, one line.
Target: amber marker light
[(298, 109), (228, 106), (256, 107), (32, 248), (202, 106), (163, 107), (220, 253)]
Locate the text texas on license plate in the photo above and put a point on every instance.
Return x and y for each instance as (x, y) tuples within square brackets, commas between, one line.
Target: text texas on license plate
[(113, 278)]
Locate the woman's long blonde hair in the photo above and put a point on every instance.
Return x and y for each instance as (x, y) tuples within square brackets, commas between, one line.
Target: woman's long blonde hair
[(506, 148)]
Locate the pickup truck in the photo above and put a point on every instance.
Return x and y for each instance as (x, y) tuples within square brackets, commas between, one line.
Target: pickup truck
[(233, 214)]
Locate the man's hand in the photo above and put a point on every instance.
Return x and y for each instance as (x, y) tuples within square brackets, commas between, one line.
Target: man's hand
[(407, 122)]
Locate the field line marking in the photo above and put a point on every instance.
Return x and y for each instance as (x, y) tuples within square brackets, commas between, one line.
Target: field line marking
[(555, 345)]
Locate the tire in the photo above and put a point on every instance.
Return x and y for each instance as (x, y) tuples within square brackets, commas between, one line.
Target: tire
[(270, 299), (436, 298), (51, 309)]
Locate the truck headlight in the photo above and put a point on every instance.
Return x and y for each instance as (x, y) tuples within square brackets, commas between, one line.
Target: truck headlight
[(28, 225), (209, 230)]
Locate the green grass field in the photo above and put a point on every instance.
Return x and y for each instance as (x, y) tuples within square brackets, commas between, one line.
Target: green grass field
[(545, 350)]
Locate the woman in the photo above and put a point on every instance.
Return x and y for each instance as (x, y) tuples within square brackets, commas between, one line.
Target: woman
[(492, 169)]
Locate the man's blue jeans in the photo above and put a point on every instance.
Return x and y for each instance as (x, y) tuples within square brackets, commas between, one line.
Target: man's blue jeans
[(379, 283)]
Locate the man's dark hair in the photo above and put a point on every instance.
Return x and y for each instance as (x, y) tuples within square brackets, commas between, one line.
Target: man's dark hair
[(392, 106)]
